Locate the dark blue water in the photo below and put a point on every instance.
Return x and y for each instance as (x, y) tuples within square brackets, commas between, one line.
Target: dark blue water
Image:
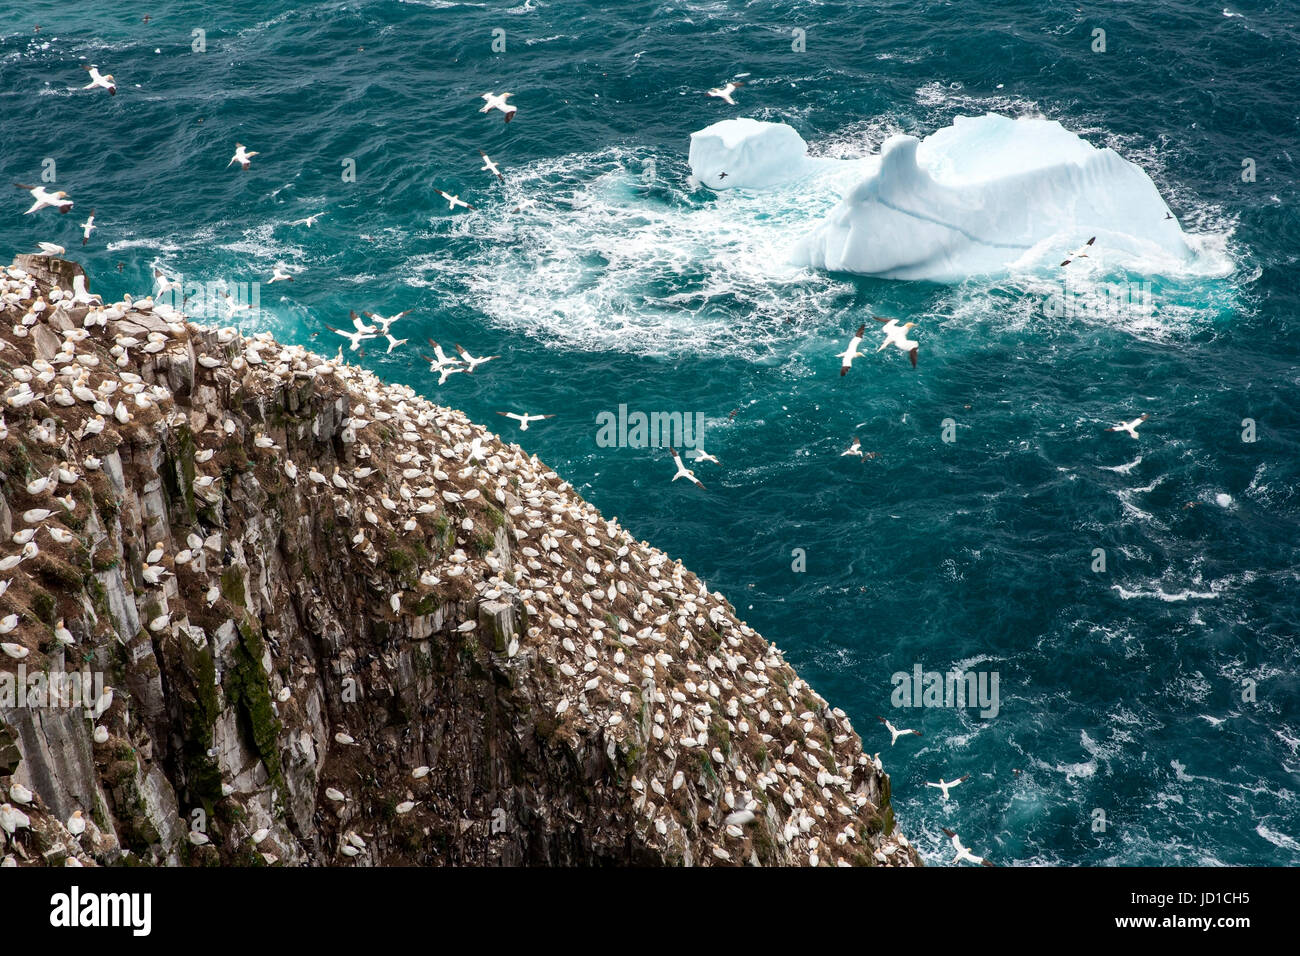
[(1120, 691)]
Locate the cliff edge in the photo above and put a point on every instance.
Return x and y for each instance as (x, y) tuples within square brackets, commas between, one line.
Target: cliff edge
[(319, 620)]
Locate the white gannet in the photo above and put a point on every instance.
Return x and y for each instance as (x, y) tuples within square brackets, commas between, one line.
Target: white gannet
[(524, 419), (946, 785), (490, 167), (962, 852), (1130, 427), (702, 455), (382, 323), (724, 92), (76, 823), (278, 274), (394, 342), (684, 472), (850, 353), (454, 201), (242, 156), (854, 449), (100, 79), (51, 249), (497, 101), (354, 338), (471, 362), (895, 733), (88, 227), (309, 221), (1080, 253), (896, 335), (46, 199)]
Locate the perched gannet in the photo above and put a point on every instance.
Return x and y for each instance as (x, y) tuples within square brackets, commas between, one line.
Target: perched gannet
[(309, 221), (1130, 427), (76, 823), (454, 201), (471, 362), (524, 419), (490, 167), (88, 227), (684, 472), (962, 852), (242, 156), (895, 733), (46, 199), (896, 335), (51, 249), (1081, 252), (946, 785), (724, 92), (850, 353), (494, 101), (99, 79)]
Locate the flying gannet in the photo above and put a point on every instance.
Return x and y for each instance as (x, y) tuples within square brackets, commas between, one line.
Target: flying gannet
[(702, 455), (46, 199), (896, 335), (524, 419), (1080, 253), (962, 852), (490, 167), (88, 227), (51, 249), (946, 785), (278, 274), (309, 221), (684, 472), (454, 201), (1130, 427), (894, 732), (724, 92), (850, 353), (100, 79), (471, 362), (242, 156), (495, 101)]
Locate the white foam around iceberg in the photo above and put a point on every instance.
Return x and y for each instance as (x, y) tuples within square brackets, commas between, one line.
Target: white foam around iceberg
[(984, 196)]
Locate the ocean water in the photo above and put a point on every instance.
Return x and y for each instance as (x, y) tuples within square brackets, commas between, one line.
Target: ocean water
[(624, 284)]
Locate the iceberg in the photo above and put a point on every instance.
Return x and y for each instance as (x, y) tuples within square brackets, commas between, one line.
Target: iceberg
[(750, 154), (989, 195)]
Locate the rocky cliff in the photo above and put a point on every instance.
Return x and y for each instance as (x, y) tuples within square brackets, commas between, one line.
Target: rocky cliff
[(338, 624)]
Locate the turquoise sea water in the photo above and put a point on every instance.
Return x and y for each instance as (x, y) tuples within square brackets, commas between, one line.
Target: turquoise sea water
[(1119, 691)]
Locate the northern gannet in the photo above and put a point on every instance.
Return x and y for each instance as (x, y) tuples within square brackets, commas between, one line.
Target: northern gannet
[(962, 852), (46, 199), (278, 274), (946, 785), (724, 92), (471, 362), (88, 227), (684, 472), (242, 156), (497, 101), (524, 419), (354, 338), (309, 221), (1130, 427), (454, 201), (1081, 252), (491, 167), (896, 335), (895, 733), (100, 79), (51, 249), (702, 455), (850, 353)]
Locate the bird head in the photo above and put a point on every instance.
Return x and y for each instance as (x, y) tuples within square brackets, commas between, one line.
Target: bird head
[(908, 325)]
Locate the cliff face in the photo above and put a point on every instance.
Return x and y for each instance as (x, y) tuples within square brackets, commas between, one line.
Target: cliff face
[(371, 633)]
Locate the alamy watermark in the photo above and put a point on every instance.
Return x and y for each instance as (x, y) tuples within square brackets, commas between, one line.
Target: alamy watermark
[(956, 689), (626, 429)]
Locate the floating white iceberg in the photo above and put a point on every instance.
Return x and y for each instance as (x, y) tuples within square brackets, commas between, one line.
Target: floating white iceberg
[(984, 196), (749, 154)]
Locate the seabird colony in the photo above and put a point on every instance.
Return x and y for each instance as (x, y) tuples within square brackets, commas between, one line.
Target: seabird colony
[(734, 758)]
